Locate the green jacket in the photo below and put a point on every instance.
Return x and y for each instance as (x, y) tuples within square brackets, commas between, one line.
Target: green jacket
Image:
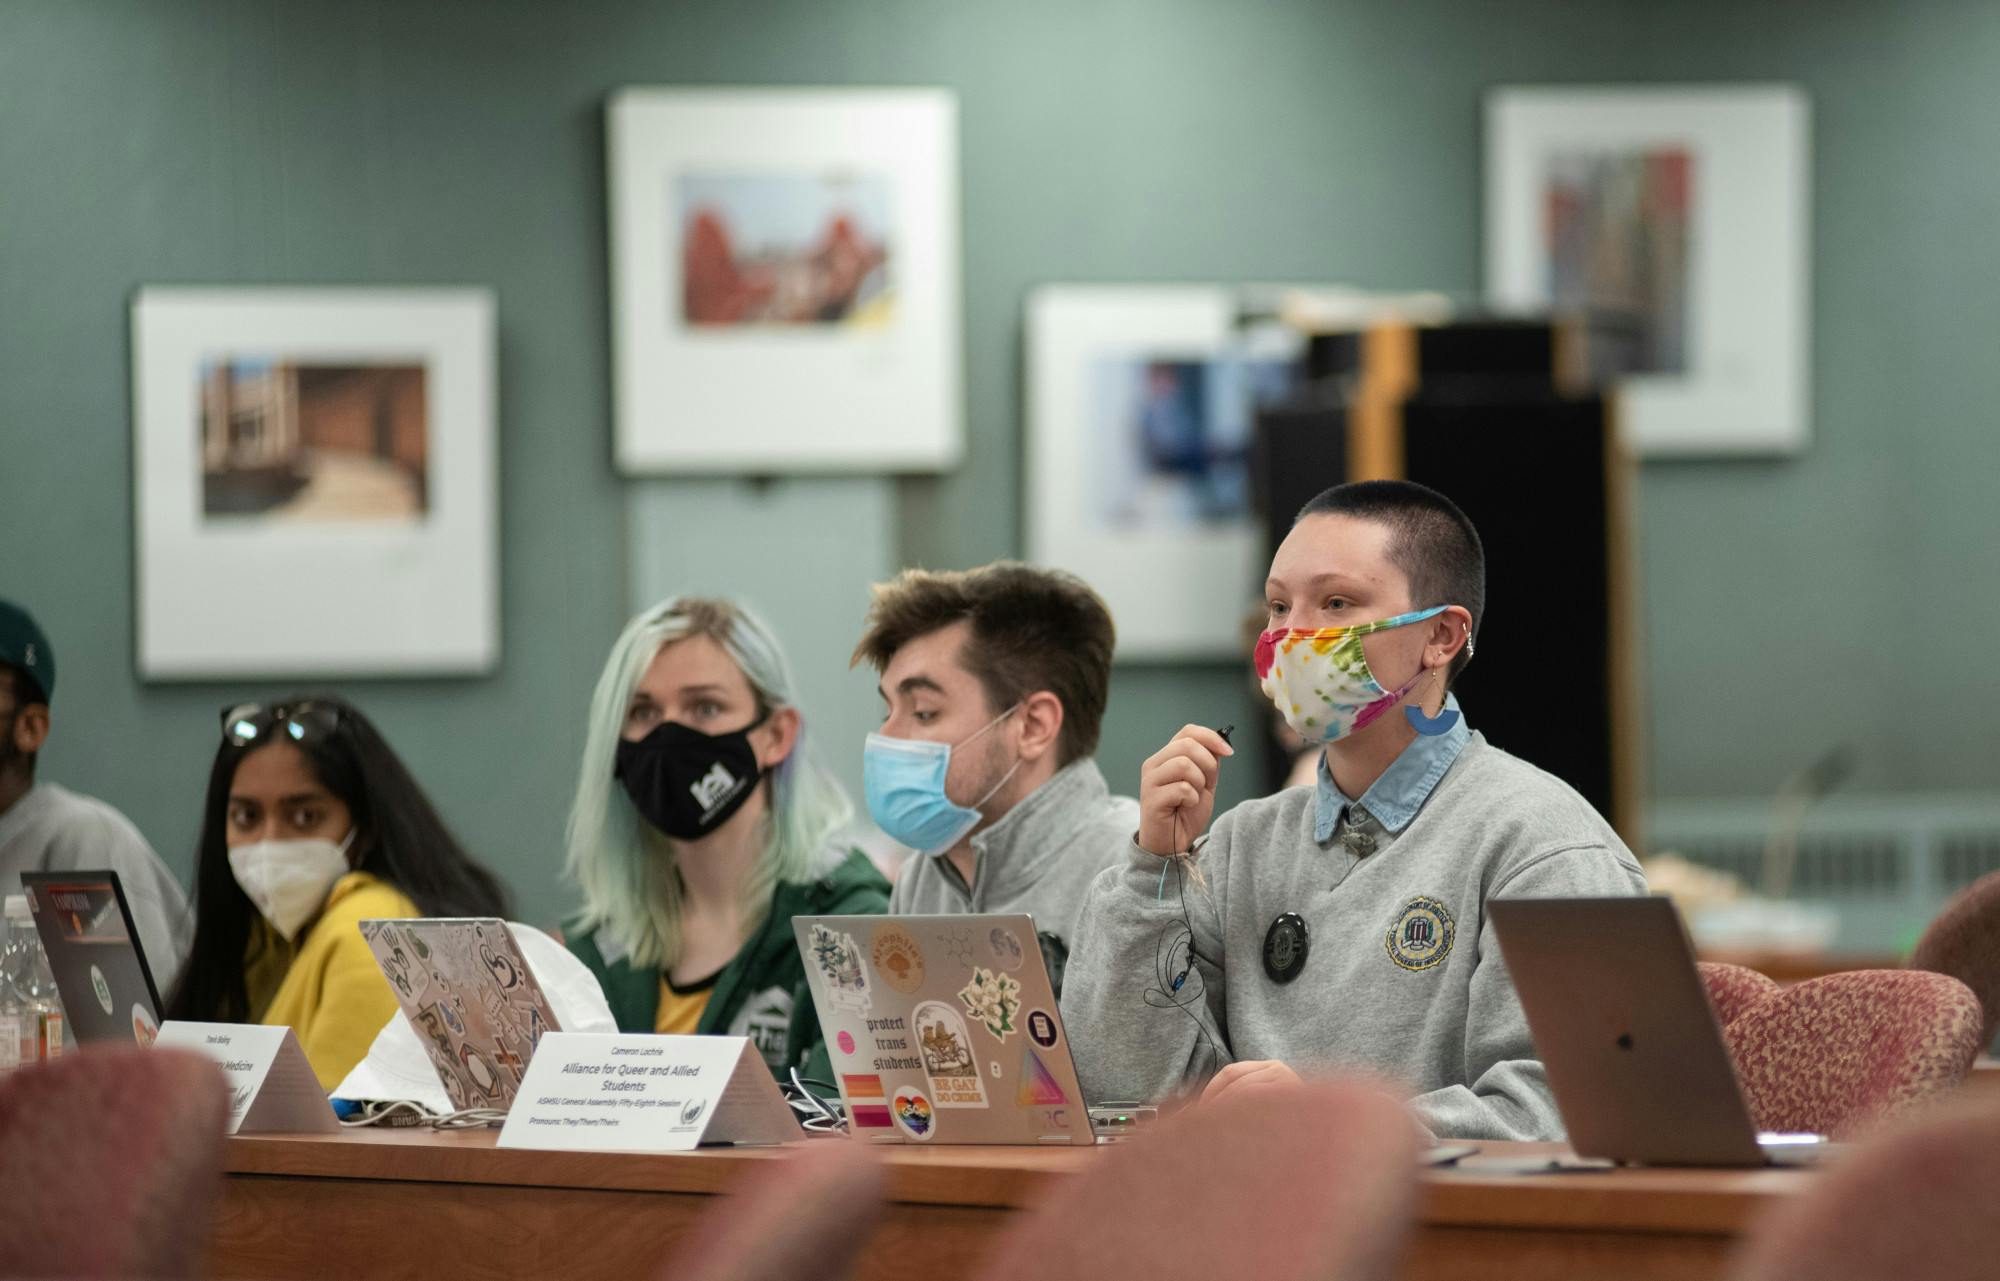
[(762, 993)]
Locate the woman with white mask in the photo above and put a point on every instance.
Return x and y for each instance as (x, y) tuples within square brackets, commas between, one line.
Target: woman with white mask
[(311, 826)]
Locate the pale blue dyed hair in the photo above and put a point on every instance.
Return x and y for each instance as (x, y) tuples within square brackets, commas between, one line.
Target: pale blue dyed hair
[(625, 868)]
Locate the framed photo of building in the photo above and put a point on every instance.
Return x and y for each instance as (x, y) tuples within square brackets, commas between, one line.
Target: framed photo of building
[(1675, 222), (1142, 405), (785, 280), (315, 479)]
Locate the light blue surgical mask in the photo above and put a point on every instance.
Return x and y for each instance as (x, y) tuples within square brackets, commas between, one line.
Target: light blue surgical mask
[(903, 779)]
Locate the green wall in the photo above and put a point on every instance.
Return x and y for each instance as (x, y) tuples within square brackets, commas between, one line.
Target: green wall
[(1848, 595), (1842, 595)]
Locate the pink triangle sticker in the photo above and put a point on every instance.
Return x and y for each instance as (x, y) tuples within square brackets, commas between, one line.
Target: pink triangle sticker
[(1038, 1084)]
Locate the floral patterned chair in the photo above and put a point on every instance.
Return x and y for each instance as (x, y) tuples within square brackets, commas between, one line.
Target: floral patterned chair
[(1292, 1182), (1732, 989), (806, 1215), (110, 1163), (1964, 942), (1914, 1203), (1838, 1054)]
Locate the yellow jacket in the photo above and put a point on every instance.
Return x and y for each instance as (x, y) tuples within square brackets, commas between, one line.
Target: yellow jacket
[(326, 986)]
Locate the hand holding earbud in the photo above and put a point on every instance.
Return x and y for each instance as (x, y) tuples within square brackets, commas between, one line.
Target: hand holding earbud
[(1177, 789)]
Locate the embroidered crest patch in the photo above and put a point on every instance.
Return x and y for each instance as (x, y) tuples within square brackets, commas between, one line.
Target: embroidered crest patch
[(1421, 935)]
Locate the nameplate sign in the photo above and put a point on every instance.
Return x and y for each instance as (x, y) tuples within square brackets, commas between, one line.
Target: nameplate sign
[(272, 1089), (589, 1092)]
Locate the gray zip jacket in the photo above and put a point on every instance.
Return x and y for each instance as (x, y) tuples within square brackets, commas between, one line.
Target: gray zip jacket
[(1402, 974), (1039, 858)]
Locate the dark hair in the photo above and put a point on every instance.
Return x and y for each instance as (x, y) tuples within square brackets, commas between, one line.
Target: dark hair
[(1431, 541), (1032, 630), (398, 837), (23, 690), (22, 685)]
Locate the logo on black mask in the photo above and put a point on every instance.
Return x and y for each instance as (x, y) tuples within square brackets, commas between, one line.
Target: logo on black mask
[(687, 783), (714, 787)]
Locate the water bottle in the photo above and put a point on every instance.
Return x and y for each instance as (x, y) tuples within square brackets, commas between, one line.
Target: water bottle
[(31, 1013), (12, 1006)]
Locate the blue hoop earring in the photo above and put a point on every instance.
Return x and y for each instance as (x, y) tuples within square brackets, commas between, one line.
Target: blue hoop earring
[(1444, 721), (1432, 726)]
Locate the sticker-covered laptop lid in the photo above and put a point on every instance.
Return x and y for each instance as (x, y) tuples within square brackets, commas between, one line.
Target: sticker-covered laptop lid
[(472, 999), (943, 1029)]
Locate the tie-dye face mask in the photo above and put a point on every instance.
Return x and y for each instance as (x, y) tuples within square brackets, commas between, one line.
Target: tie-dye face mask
[(1319, 679)]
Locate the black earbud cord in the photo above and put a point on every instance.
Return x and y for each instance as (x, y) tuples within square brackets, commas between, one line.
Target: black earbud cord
[(1180, 987)]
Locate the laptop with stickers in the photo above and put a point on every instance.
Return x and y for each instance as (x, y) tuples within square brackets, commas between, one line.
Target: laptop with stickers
[(107, 988), (1633, 1050), (943, 1029), (472, 999)]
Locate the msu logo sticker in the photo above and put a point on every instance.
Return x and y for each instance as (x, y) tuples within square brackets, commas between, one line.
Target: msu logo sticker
[(1420, 936)]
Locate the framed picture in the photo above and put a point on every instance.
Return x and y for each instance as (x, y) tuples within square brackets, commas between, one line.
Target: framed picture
[(1676, 222), (315, 479), (785, 280), (1142, 405)]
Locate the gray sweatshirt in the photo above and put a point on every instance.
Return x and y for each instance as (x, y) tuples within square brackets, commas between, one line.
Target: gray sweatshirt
[(52, 829), (1402, 974), (1039, 858)]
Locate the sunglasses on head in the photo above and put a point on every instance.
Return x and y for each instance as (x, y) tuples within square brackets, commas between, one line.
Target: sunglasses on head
[(249, 724)]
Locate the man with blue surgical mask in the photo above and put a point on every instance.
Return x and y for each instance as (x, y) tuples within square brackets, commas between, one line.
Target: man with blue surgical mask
[(994, 682)]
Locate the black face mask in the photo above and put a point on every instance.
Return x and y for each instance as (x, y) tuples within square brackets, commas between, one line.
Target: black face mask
[(687, 783)]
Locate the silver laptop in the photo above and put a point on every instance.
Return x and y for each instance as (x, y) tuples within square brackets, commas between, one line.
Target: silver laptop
[(1624, 1027), (943, 1029), (471, 997)]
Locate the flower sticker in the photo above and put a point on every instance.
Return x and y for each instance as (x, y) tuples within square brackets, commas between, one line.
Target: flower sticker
[(993, 998)]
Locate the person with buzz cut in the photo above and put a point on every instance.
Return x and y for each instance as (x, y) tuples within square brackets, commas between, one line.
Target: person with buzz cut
[(1342, 925), (994, 682), (48, 828)]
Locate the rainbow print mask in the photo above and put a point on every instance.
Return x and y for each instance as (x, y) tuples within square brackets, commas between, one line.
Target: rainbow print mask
[(1319, 679)]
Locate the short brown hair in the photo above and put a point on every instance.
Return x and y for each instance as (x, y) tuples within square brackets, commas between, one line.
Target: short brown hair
[(1032, 630)]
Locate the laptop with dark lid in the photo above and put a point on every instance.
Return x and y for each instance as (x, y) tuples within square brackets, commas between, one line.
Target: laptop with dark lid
[(87, 930)]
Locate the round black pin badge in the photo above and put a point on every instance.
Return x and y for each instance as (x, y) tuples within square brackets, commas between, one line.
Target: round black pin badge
[(1285, 947)]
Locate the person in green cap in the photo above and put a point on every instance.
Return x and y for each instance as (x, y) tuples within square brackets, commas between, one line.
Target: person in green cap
[(47, 828)]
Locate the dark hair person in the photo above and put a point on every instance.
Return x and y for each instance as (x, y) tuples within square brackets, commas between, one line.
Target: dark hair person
[(1346, 921), (994, 683), (312, 825)]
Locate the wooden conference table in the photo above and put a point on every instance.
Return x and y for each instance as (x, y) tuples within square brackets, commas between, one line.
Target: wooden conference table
[(405, 1203)]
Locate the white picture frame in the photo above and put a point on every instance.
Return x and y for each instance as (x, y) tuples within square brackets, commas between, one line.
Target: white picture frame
[(1180, 587), (301, 512), (736, 347), (1735, 379)]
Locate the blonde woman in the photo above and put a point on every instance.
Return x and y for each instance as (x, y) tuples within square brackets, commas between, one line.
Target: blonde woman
[(703, 823)]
